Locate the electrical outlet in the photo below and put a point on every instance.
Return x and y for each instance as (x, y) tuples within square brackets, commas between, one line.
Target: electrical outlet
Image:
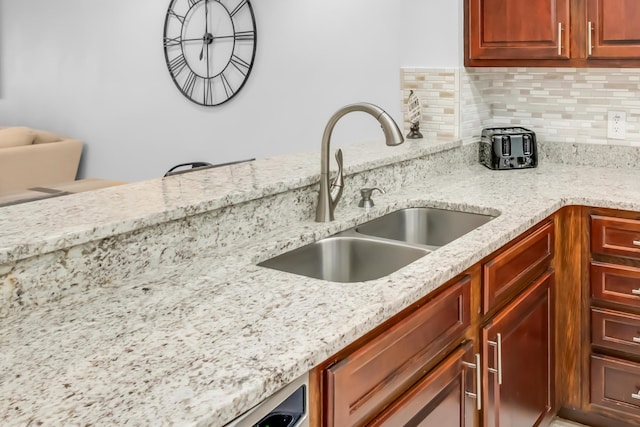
[(617, 125)]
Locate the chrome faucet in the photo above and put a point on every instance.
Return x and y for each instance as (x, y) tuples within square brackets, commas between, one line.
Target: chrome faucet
[(330, 193)]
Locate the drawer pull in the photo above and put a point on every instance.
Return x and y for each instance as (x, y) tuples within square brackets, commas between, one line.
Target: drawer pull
[(589, 40), (478, 394), (635, 291), (559, 38), (636, 395), (636, 339), (636, 243), (498, 345)]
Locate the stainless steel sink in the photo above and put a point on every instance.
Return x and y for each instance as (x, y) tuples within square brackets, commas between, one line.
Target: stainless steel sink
[(424, 226), (378, 248), (346, 259)]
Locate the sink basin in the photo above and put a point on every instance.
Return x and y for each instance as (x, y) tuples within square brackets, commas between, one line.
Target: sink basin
[(346, 259), (424, 226)]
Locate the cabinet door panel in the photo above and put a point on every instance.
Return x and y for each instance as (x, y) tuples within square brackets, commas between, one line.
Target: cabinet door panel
[(615, 236), (361, 384), (615, 385), (516, 266), (616, 283), (527, 349), (439, 399), (615, 330), (516, 29), (615, 28)]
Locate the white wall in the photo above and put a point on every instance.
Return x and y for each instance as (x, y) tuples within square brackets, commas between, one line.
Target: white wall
[(432, 33), (95, 70)]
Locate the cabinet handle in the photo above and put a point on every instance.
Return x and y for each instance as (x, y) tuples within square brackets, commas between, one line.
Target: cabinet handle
[(478, 394), (636, 395), (636, 340), (498, 345), (559, 38), (636, 242), (589, 41), (635, 291)]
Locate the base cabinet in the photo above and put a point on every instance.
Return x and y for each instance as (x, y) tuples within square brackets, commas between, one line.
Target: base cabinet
[(477, 353), (517, 350), (440, 399), (613, 342), (615, 386), (363, 381)]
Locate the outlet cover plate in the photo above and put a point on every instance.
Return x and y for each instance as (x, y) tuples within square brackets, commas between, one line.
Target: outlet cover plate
[(617, 125)]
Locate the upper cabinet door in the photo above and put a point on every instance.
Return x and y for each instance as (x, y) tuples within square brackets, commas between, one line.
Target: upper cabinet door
[(615, 29), (519, 29)]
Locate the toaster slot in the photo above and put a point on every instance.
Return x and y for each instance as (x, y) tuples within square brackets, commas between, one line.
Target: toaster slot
[(505, 145), (527, 146)]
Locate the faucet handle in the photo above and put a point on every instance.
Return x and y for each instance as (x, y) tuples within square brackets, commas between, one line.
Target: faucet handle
[(365, 193), (337, 184)]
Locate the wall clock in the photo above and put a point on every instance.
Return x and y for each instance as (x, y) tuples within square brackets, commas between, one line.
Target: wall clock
[(209, 47)]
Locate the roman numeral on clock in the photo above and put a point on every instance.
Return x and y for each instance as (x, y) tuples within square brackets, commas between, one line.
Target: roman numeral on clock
[(245, 35), (190, 83), (238, 8), (240, 64), (175, 41), (177, 64), (228, 90), (175, 15)]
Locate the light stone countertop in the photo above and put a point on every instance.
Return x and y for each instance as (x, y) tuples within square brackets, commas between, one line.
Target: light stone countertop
[(39, 227), (198, 349)]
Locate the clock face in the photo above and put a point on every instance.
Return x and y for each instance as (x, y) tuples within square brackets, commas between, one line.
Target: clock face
[(209, 47)]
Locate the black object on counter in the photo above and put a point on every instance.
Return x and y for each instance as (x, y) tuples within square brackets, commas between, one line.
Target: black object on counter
[(508, 148)]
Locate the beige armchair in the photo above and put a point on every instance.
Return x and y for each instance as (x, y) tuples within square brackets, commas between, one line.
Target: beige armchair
[(33, 158)]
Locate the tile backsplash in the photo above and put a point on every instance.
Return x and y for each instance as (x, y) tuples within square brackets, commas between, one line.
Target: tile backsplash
[(566, 105)]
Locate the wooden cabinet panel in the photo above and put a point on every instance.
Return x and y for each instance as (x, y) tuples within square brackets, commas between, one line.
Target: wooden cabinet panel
[(615, 28), (518, 349), (517, 265), (439, 399), (615, 330), (513, 29), (616, 283), (615, 236), (615, 385), (552, 33), (361, 384)]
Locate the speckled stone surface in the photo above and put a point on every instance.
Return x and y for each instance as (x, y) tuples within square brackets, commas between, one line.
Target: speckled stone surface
[(41, 279), (205, 336), (599, 155), (41, 227)]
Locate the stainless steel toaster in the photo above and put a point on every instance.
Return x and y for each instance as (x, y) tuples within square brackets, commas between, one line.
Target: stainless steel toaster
[(508, 147)]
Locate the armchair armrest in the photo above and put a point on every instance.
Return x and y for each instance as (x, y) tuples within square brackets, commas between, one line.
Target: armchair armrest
[(39, 165)]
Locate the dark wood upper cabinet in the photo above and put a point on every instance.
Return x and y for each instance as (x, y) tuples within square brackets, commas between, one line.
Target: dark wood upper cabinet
[(516, 29), (615, 28), (559, 33)]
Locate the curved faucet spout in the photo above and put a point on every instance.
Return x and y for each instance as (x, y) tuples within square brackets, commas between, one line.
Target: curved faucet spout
[(393, 136)]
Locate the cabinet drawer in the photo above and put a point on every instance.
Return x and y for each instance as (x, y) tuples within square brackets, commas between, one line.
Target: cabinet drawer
[(615, 385), (520, 263), (615, 283), (615, 330), (360, 385), (615, 236), (439, 399)]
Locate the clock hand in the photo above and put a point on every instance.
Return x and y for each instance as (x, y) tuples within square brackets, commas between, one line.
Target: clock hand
[(206, 29)]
